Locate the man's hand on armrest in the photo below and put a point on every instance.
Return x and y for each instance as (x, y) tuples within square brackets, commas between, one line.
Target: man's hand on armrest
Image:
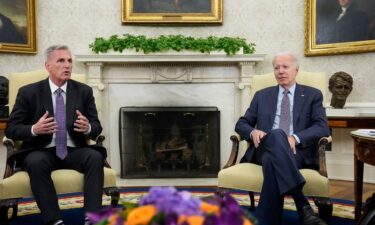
[(292, 142), (256, 136)]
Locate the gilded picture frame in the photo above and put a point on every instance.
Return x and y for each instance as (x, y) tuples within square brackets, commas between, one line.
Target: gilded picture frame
[(209, 12), (327, 32), (18, 26)]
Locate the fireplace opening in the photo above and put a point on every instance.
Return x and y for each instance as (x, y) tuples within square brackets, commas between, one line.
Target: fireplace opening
[(169, 142)]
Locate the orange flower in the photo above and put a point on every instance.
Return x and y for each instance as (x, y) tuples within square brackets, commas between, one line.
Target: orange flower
[(191, 220), (209, 208), (246, 222), (181, 219), (112, 219), (141, 215)]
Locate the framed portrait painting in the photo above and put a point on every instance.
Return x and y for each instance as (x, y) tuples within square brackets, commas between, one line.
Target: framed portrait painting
[(18, 26), (339, 26), (172, 11)]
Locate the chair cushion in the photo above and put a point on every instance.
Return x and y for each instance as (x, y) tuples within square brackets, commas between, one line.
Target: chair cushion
[(249, 177), (65, 181)]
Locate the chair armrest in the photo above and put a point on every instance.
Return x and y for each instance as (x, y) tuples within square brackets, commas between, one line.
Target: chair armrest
[(234, 152), (9, 144), (99, 141), (322, 146)]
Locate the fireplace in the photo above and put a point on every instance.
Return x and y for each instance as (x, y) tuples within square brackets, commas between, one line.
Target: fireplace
[(169, 142), (179, 80)]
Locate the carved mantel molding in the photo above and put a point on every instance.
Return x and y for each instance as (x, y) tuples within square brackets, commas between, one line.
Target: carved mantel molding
[(169, 58), (171, 68)]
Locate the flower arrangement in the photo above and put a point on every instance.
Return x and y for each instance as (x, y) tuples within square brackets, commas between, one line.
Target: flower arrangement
[(167, 206), (163, 43)]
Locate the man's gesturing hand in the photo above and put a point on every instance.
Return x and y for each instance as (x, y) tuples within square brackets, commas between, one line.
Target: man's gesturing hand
[(82, 123), (45, 125)]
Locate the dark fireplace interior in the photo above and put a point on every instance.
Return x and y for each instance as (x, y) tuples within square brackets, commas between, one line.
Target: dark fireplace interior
[(169, 142)]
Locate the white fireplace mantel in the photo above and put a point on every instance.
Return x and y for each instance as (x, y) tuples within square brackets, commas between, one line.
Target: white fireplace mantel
[(245, 62), (170, 80)]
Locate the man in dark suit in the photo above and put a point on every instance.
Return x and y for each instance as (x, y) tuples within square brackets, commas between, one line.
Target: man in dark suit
[(53, 118), (284, 123), (342, 22), (352, 24), (348, 24)]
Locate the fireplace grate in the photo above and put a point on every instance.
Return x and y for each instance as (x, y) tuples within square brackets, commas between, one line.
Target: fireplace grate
[(169, 142)]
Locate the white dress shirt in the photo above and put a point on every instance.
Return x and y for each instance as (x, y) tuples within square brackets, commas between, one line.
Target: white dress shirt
[(53, 90), (276, 123)]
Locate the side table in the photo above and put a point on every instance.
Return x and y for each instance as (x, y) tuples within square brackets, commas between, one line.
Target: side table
[(364, 152)]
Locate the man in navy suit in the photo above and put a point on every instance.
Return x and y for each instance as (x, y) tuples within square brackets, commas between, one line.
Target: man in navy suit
[(34, 120), (343, 22), (282, 152)]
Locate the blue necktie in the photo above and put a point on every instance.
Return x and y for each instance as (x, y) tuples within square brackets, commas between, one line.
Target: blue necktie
[(60, 138), (285, 113)]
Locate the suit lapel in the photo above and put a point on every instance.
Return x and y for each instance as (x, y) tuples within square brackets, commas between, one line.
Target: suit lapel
[(47, 98), (71, 93), (299, 99), (272, 99)]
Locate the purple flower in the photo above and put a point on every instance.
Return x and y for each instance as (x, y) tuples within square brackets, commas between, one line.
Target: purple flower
[(211, 220), (103, 214), (230, 212), (171, 219), (169, 201), (171, 204), (156, 193)]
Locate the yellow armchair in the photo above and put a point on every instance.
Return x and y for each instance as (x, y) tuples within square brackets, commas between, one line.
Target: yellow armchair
[(249, 176), (16, 184)]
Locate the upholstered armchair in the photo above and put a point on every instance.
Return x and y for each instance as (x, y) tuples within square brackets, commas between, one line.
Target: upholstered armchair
[(249, 176), (16, 184)]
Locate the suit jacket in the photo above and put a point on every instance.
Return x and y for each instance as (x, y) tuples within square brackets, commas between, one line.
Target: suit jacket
[(353, 26), (35, 99), (309, 119)]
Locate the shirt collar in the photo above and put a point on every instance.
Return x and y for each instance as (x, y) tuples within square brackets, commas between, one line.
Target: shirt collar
[(291, 90), (54, 87)]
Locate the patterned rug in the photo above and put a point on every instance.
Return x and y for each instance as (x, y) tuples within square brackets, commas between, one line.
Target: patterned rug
[(341, 208)]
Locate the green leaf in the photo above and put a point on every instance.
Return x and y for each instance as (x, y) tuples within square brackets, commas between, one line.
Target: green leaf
[(230, 45)]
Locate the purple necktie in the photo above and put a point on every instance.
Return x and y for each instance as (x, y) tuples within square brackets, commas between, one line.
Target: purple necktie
[(285, 113), (60, 139)]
